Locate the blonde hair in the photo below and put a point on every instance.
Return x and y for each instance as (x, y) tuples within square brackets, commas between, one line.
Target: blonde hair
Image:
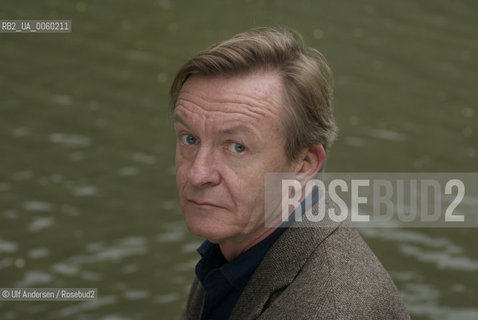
[(305, 73)]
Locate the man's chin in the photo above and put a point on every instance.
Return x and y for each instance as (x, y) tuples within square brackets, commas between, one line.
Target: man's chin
[(214, 232)]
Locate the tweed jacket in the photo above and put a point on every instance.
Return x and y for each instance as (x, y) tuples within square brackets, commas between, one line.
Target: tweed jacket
[(314, 273)]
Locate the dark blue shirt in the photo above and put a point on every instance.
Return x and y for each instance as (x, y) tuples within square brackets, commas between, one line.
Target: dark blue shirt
[(224, 281)]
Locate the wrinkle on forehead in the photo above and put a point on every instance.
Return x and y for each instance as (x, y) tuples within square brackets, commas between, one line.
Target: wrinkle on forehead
[(206, 109), (257, 96)]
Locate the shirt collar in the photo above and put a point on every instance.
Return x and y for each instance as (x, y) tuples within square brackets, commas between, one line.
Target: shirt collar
[(238, 270)]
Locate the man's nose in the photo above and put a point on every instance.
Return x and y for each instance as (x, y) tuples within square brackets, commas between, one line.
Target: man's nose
[(203, 171)]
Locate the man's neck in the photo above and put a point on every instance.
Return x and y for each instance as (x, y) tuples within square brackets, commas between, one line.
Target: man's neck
[(232, 249)]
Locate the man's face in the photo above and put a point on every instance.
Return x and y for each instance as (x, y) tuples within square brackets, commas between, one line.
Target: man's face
[(228, 136)]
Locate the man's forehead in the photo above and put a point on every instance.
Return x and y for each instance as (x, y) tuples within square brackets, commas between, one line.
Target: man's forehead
[(257, 84), (257, 95), (221, 126)]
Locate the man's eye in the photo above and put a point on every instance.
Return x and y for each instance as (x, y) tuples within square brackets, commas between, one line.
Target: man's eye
[(237, 147), (189, 139)]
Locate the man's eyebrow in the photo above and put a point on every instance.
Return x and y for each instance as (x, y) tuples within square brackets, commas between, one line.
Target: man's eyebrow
[(236, 128)]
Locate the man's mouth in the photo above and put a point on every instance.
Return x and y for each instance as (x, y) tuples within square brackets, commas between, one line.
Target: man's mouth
[(201, 203)]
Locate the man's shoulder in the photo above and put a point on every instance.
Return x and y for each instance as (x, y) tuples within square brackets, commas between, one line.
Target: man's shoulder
[(315, 273), (340, 279)]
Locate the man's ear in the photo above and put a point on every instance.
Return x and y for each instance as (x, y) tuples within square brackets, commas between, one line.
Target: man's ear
[(311, 160)]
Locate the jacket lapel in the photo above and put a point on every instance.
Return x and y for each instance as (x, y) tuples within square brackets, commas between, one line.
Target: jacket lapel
[(279, 267)]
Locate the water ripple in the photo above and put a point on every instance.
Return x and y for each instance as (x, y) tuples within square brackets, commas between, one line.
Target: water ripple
[(439, 251), (166, 298), (443, 313), (136, 294), (65, 269), (128, 171), (70, 140), (386, 134), (355, 141), (83, 191), (122, 248), (37, 206), (40, 223), (20, 132), (8, 246), (38, 253), (143, 158), (172, 236), (442, 260), (5, 263), (62, 99), (34, 278)]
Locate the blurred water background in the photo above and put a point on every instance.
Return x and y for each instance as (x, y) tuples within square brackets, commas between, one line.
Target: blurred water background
[(87, 185)]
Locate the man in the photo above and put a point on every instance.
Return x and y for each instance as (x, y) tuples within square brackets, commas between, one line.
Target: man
[(261, 102)]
